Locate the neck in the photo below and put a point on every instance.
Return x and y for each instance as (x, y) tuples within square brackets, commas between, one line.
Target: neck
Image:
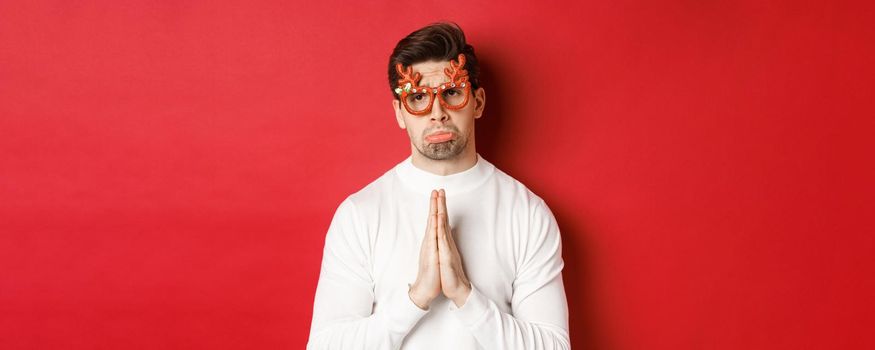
[(462, 162)]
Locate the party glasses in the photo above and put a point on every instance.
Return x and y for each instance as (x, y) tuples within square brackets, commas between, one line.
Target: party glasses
[(419, 99)]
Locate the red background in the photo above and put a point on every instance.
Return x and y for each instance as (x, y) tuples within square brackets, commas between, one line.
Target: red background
[(169, 168)]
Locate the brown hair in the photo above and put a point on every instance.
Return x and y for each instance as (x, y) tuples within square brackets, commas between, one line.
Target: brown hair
[(442, 41)]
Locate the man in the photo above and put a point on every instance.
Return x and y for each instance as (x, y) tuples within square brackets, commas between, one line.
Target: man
[(443, 251)]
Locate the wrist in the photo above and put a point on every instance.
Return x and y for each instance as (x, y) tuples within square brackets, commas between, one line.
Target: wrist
[(418, 299), (461, 296)]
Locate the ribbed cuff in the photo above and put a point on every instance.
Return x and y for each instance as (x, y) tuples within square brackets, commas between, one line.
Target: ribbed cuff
[(473, 310), (402, 314)]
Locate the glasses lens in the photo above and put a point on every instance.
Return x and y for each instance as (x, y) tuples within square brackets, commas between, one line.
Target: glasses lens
[(454, 97), (418, 101)]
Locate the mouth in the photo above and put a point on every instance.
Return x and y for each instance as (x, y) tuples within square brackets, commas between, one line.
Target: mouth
[(440, 136)]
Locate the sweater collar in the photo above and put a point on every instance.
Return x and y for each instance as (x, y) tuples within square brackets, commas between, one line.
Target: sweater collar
[(423, 182)]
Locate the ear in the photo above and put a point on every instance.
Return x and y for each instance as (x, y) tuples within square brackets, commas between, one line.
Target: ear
[(479, 102), (396, 104)]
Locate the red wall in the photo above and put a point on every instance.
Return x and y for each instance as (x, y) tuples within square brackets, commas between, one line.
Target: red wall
[(168, 170)]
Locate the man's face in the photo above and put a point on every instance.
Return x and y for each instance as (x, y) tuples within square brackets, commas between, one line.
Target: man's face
[(443, 133)]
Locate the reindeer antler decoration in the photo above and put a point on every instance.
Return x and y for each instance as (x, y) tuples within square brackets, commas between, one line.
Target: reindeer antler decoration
[(408, 79), (457, 70)]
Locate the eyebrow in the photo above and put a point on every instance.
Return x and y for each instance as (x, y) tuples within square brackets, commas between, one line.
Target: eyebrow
[(421, 83)]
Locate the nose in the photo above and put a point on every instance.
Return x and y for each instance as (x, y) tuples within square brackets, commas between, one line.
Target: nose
[(437, 112)]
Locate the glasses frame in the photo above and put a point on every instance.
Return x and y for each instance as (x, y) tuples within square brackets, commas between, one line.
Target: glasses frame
[(431, 92), (409, 84)]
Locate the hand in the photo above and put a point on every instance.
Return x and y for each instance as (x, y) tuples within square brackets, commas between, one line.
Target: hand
[(428, 280), (453, 281)]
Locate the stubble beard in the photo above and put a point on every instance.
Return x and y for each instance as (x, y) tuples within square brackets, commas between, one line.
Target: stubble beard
[(443, 150)]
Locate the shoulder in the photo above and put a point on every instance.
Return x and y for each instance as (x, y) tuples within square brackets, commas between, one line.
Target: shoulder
[(528, 209), (352, 216), (523, 197), (368, 199), (374, 191)]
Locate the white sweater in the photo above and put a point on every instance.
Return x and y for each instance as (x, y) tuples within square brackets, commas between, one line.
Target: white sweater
[(510, 248)]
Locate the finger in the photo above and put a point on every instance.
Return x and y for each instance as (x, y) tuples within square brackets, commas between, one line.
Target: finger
[(442, 215), (429, 239), (432, 204), (436, 233), (442, 208), (442, 202), (431, 227), (442, 205), (443, 244), (433, 230)]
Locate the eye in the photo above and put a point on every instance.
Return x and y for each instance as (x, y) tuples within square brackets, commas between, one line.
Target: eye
[(454, 92), (419, 97)]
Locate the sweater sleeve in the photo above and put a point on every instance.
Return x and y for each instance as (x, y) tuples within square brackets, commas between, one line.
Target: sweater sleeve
[(539, 319), (344, 313)]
